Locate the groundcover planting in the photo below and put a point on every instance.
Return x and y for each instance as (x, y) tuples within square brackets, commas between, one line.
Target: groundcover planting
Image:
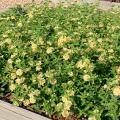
[(61, 60)]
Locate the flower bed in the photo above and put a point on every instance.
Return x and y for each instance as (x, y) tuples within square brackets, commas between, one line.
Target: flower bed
[(61, 61)]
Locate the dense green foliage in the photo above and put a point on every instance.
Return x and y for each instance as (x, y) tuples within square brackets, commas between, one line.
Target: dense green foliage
[(62, 60)]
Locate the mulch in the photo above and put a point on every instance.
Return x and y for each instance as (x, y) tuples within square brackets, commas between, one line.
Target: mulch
[(113, 0)]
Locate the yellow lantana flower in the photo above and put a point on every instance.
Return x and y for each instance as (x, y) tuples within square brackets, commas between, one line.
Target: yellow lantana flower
[(8, 40), (92, 44), (19, 72), (32, 100), (19, 24), (65, 113), (10, 61), (40, 41), (12, 17), (34, 47), (67, 105), (13, 76), (86, 77), (30, 15), (70, 92), (49, 50), (5, 35), (36, 92), (53, 81), (116, 91), (92, 118), (118, 70), (64, 98), (80, 64), (26, 102), (19, 80), (70, 74), (101, 58), (12, 87), (62, 40), (66, 56), (42, 82)]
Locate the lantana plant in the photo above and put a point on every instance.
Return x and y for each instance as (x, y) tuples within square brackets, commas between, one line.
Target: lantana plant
[(62, 60)]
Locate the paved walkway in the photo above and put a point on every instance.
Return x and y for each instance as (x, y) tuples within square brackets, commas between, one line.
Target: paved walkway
[(10, 112)]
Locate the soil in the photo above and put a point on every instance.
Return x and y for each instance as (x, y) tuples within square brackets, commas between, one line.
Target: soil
[(113, 0)]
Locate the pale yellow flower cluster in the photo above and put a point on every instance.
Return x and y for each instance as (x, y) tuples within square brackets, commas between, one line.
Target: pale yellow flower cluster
[(10, 61), (80, 64), (49, 43), (70, 92), (34, 78), (67, 50), (42, 82), (12, 87), (70, 74), (66, 56), (19, 72), (32, 98), (40, 41), (13, 17), (26, 102), (62, 40), (66, 53), (8, 41), (16, 75), (101, 58), (87, 68), (19, 24), (116, 79), (5, 35), (106, 86), (49, 74), (20, 80), (53, 81), (70, 82), (67, 104), (111, 54), (118, 70), (30, 14), (34, 47), (38, 66), (40, 79), (13, 76), (111, 51), (92, 118), (18, 61), (49, 50), (116, 91), (85, 64), (86, 77), (92, 44), (13, 55)]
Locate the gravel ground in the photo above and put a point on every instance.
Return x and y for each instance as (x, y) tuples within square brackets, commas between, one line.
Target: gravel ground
[(5, 4)]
